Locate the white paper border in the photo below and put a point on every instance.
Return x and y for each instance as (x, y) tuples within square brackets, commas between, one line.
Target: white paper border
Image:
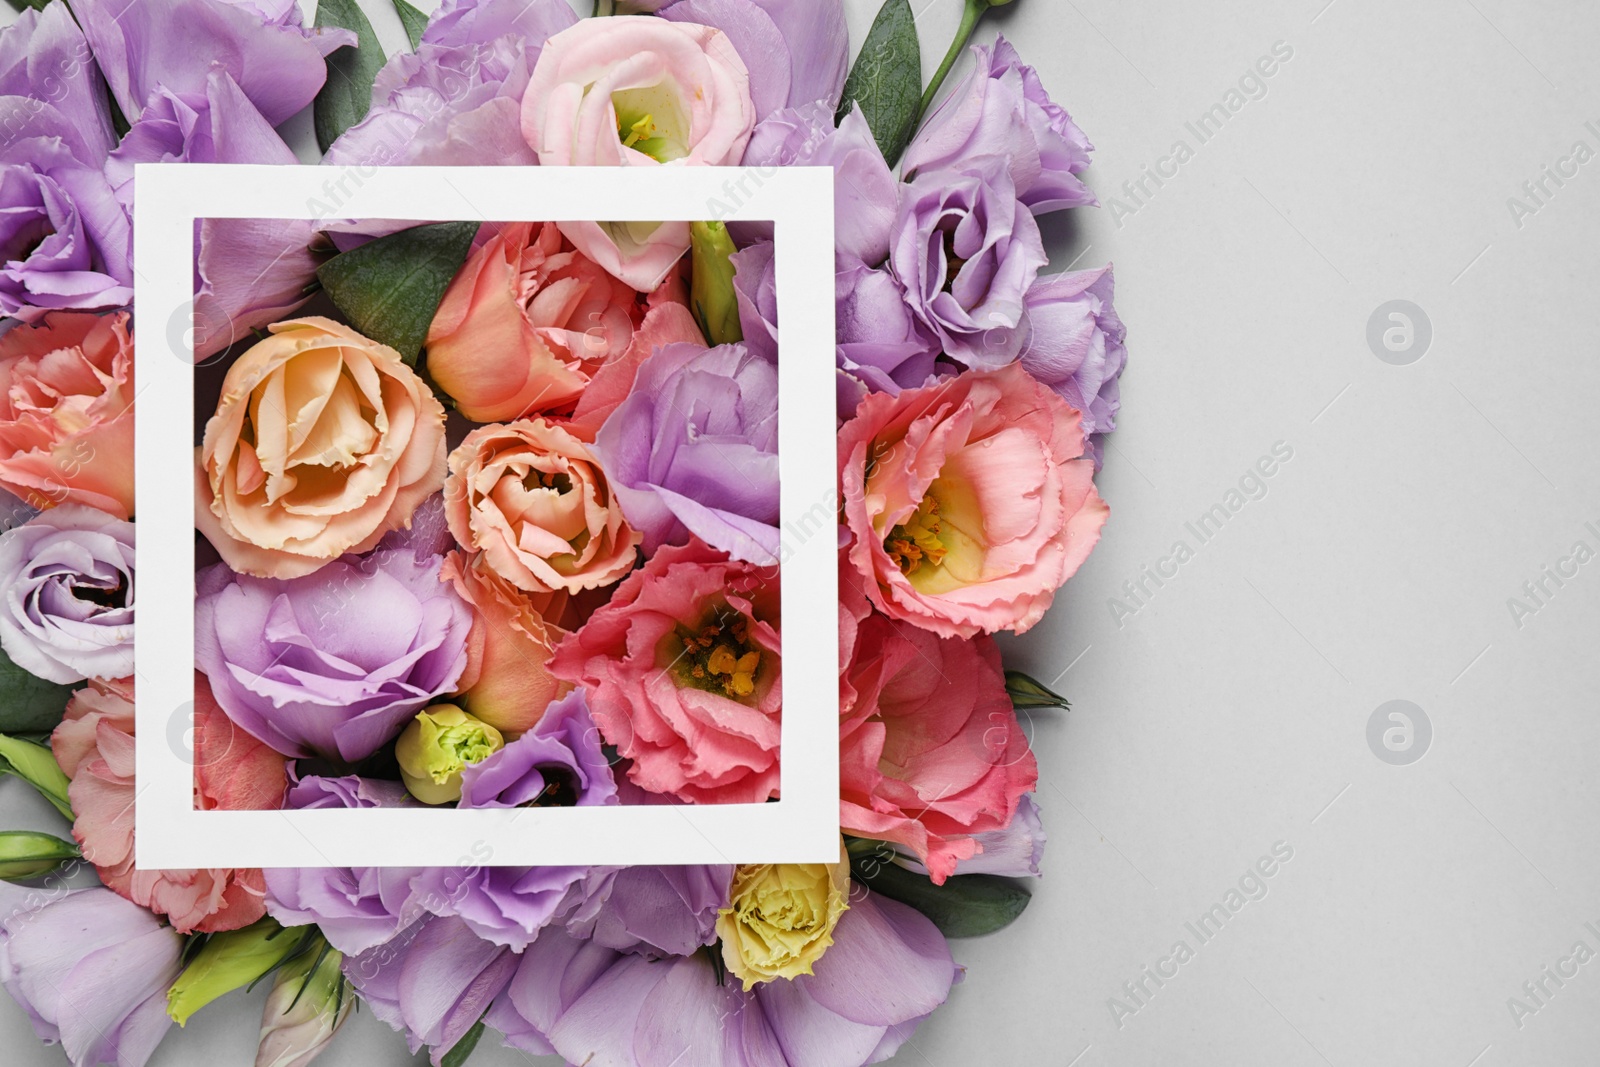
[(802, 827)]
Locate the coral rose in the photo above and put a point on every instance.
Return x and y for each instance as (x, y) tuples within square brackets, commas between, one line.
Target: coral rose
[(526, 323), (682, 673), (970, 501), (66, 412), (94, 745), (532, 499), (930, 750), (322, 442), (637, 92)]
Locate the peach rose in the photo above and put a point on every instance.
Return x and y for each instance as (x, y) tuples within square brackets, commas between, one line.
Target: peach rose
[(509, 683), (525, 324), (532, 500), (637, 92), (970, 501), (66, 411), (322, 442), (94, 745)]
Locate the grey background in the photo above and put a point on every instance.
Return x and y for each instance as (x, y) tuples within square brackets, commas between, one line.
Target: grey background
[(1231, 711)]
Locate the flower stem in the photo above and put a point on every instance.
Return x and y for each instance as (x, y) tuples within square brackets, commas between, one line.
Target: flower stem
[(604, 7), (969, 21)]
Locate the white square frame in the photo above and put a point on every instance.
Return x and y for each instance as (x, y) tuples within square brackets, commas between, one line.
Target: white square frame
[(801, 827)]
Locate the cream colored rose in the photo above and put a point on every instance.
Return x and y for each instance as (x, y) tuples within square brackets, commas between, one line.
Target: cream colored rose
[(323, 441), (781, 918)]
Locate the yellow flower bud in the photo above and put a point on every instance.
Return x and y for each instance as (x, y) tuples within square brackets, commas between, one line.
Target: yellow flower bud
[(438, 744)]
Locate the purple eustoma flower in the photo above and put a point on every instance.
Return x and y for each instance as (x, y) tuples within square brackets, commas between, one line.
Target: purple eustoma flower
[(248, 272), (64, 240), (348, 791), (652, 911), (334, 663), (966, 251), (91, 970), (557, 763), (357, 909), (68, 606), (1001, 109), (1075, 346), (143, 45), (887, 969), (796, 50), (458, 99), (694, 451), (434, 982)]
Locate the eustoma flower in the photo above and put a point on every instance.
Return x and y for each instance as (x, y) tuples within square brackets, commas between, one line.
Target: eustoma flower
[(969, 501), (68, 605), (694, 451), (931, 754), (323, 441), (91, 971), (94, 745), (557, 763), (528, 324), (637, 92), (682, 672), (534, 501), (333, 663), (66, 411), (780, 918), (1075, 346)]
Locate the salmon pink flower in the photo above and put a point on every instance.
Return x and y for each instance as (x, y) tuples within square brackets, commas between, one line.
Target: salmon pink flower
[(970, 501), (682, 673)]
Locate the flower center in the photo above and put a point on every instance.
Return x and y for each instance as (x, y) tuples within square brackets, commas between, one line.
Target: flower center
[(952, 262), (916, 541), (459, 745), (650, 120), (719, 657), (106, 596)]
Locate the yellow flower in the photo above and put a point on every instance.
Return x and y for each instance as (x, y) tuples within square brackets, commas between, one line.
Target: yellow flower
[(781, 918), (438, 744)]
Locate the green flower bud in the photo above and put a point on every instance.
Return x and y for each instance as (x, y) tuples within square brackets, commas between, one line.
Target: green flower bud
[(230, 961), (1028, 692), (36, 765), (435, 748), (26, 855), (711, 294), (308, 1003)]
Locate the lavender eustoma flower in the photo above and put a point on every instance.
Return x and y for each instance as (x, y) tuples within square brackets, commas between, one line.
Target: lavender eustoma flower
[(1075, 346), (172, 45), (966, 251), (796, 50), (64, 240), (357, 908), (434, 982), (1002, 109), (458, 99), (248, 272), (557, 763), (887, 969), (91, 970), (347, 791), (694, 451), (336, 662), (68, 605), (652, 911)]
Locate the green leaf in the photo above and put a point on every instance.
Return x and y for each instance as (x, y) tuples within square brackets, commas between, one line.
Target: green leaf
[(390, 288), (887, 79), (27, 703), (711, 295), (967, 905), (36, 765), (462, 1049), (1029, 692), (347, 93), (25, 855), (23, 5), (413, 20)]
